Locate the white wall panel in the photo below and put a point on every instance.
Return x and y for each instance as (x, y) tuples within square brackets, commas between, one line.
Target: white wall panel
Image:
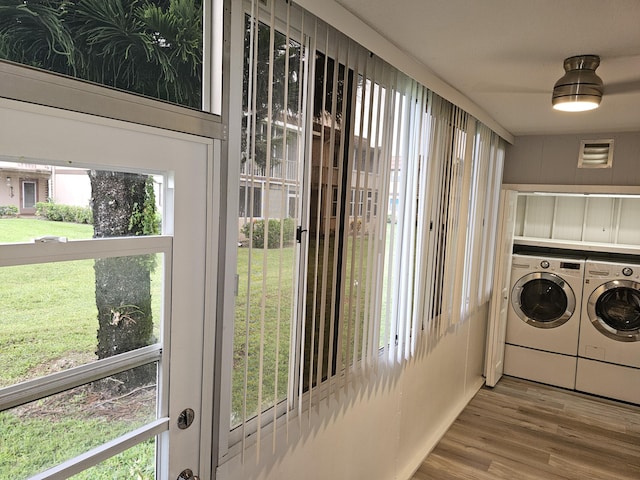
[(385, 431)]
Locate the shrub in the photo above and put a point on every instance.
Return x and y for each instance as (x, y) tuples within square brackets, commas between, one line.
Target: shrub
[(257, 239), (64, 213), (8, 211)]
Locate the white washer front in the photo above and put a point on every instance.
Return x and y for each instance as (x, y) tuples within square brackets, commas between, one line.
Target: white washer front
[(610, 325), (544, 310)]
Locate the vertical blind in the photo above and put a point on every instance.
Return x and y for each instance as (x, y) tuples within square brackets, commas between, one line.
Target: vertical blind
[(367, 212)]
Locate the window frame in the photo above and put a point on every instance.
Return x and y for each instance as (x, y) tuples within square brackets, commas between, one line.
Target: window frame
[(29, 84), (231, 439)]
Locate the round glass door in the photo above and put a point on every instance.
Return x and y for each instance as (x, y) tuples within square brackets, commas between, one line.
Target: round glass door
[(543, 300), (614, 309)]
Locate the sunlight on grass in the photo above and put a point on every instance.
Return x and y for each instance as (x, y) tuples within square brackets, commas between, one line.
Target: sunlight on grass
[(13, 230)]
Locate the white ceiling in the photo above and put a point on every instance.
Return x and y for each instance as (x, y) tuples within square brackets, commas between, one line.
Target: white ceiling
[(505, 55)]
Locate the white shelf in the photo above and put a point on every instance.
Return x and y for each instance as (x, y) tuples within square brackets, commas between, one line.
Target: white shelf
[(577, 245), (602, 223)]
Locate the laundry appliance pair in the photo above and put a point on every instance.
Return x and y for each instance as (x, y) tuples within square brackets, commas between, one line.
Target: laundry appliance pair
[(575, 323)]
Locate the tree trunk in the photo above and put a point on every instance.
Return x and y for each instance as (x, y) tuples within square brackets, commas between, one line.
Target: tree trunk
[(123, 284)]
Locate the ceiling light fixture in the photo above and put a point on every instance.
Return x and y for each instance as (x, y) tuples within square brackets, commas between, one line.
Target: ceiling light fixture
[(580, 89)]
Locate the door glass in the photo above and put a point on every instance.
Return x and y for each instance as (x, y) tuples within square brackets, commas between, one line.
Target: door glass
[(49, 318), (65, 308), (543, 300), (43, 433), (28, 194), (137, 463), (620, 309)]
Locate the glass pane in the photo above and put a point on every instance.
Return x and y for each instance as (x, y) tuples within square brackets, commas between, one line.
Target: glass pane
[(77, 203), (136, 463), (272, 271), (28, 194), (620, 308), (327, 247), (152, 48), (49, 313), (267, 218), (543, 300), (47, 432)]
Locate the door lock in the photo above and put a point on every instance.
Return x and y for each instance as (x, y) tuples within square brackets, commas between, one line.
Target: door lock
[(187, 474), (185, 419)]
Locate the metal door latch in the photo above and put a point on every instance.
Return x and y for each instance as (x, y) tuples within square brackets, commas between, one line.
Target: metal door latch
[(187, 474), (185, 419), (299, 232)]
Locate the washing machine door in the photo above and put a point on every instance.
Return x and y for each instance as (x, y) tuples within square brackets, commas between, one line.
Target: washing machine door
[(614, 309), (543, 300)]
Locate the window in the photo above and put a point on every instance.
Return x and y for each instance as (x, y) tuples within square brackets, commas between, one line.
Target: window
[(152, 48), (305, 310), (269, 180), (251, 204), (348, 268)]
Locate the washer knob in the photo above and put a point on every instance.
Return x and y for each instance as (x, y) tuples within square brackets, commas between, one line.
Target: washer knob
[(544, 264), (627, 272)]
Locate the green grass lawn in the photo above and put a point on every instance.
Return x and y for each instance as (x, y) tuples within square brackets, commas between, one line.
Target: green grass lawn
[(271, 298), (275, 288), (48, 322), (14, 230)]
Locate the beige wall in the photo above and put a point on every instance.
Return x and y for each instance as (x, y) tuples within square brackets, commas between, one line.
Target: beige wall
[(12, 194), (383, 430), (553, 160)]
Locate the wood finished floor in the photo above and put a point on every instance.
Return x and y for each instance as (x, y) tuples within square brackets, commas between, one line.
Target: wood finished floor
[(521, 430)]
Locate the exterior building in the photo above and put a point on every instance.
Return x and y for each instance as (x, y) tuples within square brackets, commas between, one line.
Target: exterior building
[(23, 185)]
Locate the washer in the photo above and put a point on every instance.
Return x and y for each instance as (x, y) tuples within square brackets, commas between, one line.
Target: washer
[(609, 342), (543, 319)]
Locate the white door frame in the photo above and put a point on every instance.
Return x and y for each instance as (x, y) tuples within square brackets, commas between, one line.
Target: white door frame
[(190, 164)]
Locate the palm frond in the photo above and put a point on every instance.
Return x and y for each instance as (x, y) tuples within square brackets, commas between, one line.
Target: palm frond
[(34, 33)]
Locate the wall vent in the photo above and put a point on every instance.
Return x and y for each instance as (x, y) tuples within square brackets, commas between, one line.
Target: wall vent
[(596, 154)]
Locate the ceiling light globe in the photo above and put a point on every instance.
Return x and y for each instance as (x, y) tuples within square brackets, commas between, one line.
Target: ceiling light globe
[(567, 104)]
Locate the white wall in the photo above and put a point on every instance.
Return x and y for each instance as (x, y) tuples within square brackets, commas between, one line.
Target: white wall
[(553, 160), (71, 186), (383, 431)]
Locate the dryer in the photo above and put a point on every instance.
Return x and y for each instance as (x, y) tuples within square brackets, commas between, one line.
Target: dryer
[(609, 342), (543, 319)]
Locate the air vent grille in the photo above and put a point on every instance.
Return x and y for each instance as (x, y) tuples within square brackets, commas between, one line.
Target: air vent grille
[(596, 154)]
